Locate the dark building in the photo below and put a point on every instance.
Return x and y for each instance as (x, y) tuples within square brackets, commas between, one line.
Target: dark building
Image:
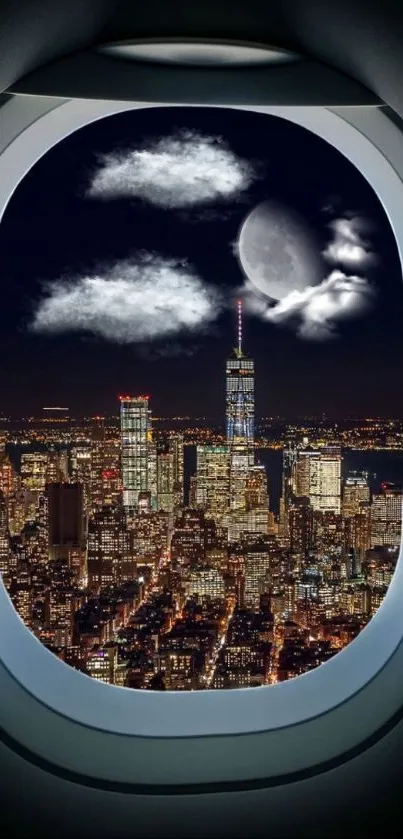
[(66, 514), (66, 525)]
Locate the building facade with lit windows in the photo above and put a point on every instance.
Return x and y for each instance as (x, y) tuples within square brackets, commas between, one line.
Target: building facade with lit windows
[(240, 418), (213, 479), (109, 554), (386, 516), (356, 491), (135, 441)]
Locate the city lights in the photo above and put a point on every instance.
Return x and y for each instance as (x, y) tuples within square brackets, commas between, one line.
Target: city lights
[(143, 572)]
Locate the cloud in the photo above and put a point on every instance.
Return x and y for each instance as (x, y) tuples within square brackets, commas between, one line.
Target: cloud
[(254, 301), (132, 301), (179, 171), (317, 310), (350, 245)]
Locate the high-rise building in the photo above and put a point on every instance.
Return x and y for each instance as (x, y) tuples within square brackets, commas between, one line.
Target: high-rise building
[(105, 485), (258, 562), (240, 418), (8, 477), (318, 477), (188, 538), (288, 488), (60, 605), (175, 446), (254, 521), (328, 533), (152, 467), (67, 526), (81, 471), (256, 494), (149, 533), (21, 593), (355, 491), (213, 480), (4, 537), (300, 515), (109, 551), (33, 470), (57, 467), (386, 516), (66, 518), (303, 470), (170, 473), (137, 476), (165, 481), (357, 530)]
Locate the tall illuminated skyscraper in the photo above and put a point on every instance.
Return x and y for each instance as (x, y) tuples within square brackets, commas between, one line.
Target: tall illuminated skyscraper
[(325, 480), (240, 417), (135, 438), (240, 395), (386, 516), (318, 476), (170, 473), (355, 492), (213, 480)]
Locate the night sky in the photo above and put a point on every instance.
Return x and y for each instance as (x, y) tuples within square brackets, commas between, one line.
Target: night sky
[(51, 229)]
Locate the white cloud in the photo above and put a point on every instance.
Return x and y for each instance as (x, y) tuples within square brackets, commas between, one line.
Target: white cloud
[(174, 172), (254, 301), (318, 309), (132, 301), (349, 245)]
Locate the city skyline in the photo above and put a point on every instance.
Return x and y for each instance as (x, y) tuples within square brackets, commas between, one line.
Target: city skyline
[(142, 582), (66, 234)]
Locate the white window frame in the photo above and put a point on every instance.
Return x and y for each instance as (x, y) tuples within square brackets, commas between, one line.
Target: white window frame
[(206, 736)]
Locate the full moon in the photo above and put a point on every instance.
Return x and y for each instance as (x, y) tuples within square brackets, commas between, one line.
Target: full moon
[(277, 251)]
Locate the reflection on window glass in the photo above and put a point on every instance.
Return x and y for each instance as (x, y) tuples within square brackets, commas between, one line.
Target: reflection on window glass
[(201, 438)]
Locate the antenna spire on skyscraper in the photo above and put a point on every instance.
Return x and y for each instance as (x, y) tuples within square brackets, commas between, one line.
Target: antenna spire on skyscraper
[(240, 327)]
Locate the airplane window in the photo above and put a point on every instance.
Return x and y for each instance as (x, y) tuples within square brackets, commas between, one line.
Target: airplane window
[(201, 440)]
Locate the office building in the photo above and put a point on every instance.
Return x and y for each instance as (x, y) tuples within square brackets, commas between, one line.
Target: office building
[(137, 475), (213, 480), (386, 516), (355, 492), (240, 418), (67, 526), (110, 559)]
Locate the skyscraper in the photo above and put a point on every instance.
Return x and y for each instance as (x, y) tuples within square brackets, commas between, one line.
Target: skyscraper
[(325, 480), (110, 559), (386, 516), (33, 470), (170, 473), (300, 516), (288, 489), (318, 477), (135, 438), (240, 417), (256, 492), (213, 480), (355, 492), (66, 526), (165, 481), (175, 446), (4, 537), (66, 516)]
